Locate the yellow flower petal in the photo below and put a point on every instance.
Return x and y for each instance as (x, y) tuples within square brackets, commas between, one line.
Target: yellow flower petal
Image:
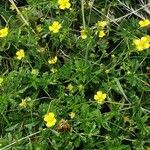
[(50, 119), (3, 32), (83, 34), (55, 27), (101, 24), (143, 43), (52, 60), (51, 123), (20, 54), (100, 97), (64, 4), (23, 104), (69, 87), (144, 23), (101, 34), (39, 28), (72, 115)]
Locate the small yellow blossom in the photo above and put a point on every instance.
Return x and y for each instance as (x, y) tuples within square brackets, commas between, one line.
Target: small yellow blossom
[(20, 54), (64, 4), (81, 87), (41, 50), (1, 81), (53, 70), (39, 28), (143, 43), (101, 34), (42, 19), (83, 34), (100, 97), (69, 87), (50, 119), (34, 72), (107, 71), (55, 27), (53, 60), (144, 23), (128, 72), (3, 32), (126, 119), (101, 24), (72, 115), (23, 104), (12, 7), (112, 56)]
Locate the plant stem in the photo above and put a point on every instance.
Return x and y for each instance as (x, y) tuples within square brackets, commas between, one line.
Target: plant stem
[(83, 16)]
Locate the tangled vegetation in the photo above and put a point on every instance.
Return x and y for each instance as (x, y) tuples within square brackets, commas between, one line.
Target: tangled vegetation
[(74, 75)]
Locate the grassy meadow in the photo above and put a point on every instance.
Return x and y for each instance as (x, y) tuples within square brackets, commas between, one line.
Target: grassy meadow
[(74, 75)]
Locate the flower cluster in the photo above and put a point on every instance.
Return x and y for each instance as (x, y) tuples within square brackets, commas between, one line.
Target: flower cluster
[(100, 97), (100, 28), (3, 32), (142, 43), (50, 119), (64, 4)]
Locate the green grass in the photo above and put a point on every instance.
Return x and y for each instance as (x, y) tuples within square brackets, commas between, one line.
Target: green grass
[(111, 64)]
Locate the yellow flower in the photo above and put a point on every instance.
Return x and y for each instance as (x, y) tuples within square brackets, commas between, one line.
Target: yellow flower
[(39, 28), (53, 70), (20, 54), (83, 34), (81, 87), (144, 23), (34, 72), (127, 119), (107, 71), (1, 81), (72, 115), (101, 24), (55, 27), (143, 43), (101, 34), (50, 119), (42, 19), (69, 87), (23, 104), (64, 4), (100, 97), (112, 56), (3, 32), (41, 50), (52, 60), (12, 7)]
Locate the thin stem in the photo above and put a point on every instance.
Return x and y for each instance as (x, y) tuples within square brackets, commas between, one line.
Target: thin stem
[(83, 16), (11, 144), (18, 11)]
